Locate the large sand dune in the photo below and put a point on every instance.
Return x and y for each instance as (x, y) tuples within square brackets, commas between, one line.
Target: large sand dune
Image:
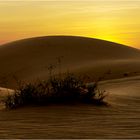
[(29, 59)]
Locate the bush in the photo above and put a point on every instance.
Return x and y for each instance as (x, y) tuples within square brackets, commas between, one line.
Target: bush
[(68, 89)]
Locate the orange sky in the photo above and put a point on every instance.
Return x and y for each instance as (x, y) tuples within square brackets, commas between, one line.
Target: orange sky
[(113, 20)]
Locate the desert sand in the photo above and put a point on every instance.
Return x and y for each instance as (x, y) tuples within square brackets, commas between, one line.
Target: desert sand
[(118, 120), (28, 60)]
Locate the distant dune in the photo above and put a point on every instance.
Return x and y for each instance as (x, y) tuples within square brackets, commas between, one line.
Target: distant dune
[(28, 59)]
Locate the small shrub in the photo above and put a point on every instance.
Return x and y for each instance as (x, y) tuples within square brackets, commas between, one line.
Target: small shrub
[(64, 90), (126, 74)]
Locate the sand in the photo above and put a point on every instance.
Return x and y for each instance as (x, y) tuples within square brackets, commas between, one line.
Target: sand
[(118, 120), (119, 65)]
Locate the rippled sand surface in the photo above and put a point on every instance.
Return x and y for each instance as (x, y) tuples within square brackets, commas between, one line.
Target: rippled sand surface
[(121, 119)]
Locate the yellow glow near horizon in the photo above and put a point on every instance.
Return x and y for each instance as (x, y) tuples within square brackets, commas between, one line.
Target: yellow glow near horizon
[(113, 20)]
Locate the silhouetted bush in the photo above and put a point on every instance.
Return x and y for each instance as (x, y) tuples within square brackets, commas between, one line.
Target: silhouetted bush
[(68, 89)]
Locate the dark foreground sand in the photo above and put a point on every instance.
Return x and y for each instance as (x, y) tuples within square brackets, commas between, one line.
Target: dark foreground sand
[(119, 120)]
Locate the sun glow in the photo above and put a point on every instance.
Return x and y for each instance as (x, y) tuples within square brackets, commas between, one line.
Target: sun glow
[(113, 20)]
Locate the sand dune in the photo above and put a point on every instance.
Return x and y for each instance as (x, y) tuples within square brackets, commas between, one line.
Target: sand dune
[(29, 59)]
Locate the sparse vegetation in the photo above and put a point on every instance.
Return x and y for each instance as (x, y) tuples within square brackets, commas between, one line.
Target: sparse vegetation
[(66, 90), (126, 74), (60, 89)]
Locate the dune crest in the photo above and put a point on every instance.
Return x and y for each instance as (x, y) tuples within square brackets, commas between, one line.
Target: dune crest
[(29, 59)]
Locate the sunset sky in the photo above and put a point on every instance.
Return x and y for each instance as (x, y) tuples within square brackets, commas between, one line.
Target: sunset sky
[(113, 20)]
